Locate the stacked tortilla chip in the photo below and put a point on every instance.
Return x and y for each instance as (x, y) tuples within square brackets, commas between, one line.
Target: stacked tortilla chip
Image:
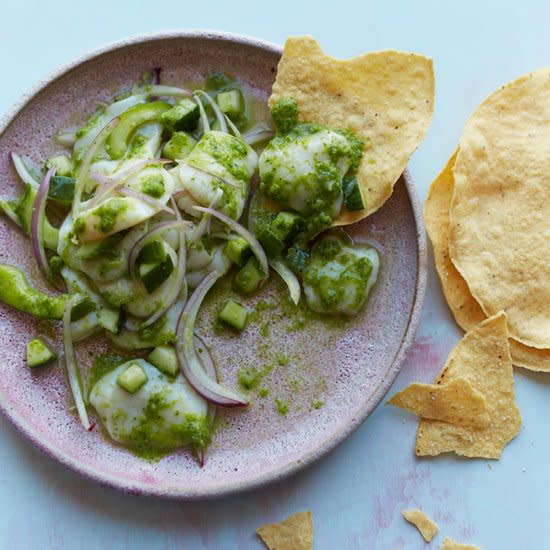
[(488, 217)]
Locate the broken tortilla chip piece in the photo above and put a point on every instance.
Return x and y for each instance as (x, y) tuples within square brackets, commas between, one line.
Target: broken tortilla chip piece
[(466, 311), (449, 544), (293, 533), (422, 522), (455, 402), (385, 97), (500, 213), (483, 358)]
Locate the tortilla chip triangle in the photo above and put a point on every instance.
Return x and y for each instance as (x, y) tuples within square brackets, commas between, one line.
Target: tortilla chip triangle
[(455, 402), (293, 533), (385, 97)]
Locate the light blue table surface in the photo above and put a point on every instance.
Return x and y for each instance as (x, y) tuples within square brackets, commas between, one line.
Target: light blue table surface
[(357, 493)]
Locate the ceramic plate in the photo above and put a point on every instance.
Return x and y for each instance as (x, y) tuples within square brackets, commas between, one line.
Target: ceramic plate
[(347, 366)]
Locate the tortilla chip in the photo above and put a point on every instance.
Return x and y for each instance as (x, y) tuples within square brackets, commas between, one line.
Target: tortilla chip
[(483, 358), (385, 97), (500, 213), (455, 402), (449, 544), (428, 529), (293, 533), (466, 311)]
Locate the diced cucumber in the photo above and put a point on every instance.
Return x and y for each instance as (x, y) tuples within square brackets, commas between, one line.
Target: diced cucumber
[(24, 213), (153, 252), (238, 250), (153, 275), (132, 379), (216, 81), (109, 319), (272, 244), (82, 308), (231, 103), (234, 314), (183, 116), (286, 225), (63, 165), (62, 189), (248, 278), (130, 121), (297, 258), (178, 146), (352, 194), (39, 353), (164, 358)]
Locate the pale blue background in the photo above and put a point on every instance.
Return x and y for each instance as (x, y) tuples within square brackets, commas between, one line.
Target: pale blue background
[(356, 494)]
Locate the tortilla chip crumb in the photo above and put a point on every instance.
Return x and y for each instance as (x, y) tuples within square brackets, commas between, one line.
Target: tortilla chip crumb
[(422, 522), (449, 544), (293, 533)]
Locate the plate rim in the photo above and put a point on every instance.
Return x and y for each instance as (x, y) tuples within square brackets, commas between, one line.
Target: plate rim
[(332, 441)]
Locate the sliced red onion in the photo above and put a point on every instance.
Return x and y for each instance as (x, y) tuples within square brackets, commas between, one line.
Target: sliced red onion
[(217, 111), (205, 358), (244, 233), (129, 192), (212, 175), (83, 172), (204, 119), (189, 363), (260, 132), (72, 368), (234, 129), (204, 225), (23, 171), (288, 276), (111, 183), (37, 224), (166, 91), (176, 283)]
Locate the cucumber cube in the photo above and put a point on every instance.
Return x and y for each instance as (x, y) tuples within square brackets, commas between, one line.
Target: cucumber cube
[(286, 225), (164, 358), (352, 194), (178, 146), (238, 251), (152, 252), (39, 353), (109, 319), (82, 308), (272, 244), (230, 102), (249, 277), (153, 275), (233, 314), (132, 379), (62, 189), (183, 116)]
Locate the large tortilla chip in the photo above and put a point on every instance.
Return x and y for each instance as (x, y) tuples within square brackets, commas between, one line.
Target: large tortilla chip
[(466, 311), (293, 533), (455, 402), (428, 529), (483, 358), (385, 97), (449, 544), (500, 212)]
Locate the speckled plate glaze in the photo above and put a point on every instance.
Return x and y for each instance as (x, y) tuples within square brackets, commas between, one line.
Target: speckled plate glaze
[(349, 366)]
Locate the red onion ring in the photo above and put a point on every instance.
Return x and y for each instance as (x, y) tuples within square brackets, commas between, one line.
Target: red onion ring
[(129, 192), (37, 223), (188, 361)]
